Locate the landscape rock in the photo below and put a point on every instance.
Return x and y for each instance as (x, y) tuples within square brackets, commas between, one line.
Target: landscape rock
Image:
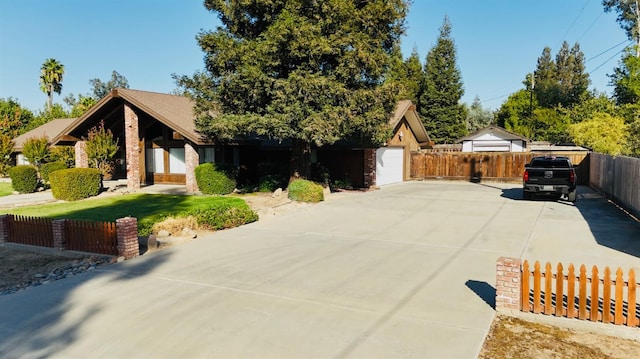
[(163, 234), (277, 193)]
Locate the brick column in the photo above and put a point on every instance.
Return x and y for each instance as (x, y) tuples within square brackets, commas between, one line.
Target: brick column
[(132, 147), (127, 232), (82, 161), (192, 160), (59, 240), (508, 285), (369, 167), (4, 227)]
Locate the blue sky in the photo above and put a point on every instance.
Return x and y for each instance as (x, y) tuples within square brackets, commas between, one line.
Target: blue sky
[(498, 42)]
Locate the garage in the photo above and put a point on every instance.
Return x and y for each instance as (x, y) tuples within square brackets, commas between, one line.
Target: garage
[(389, 165)]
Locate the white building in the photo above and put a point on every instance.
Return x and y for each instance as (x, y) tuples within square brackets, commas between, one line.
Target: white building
[(493, 139)]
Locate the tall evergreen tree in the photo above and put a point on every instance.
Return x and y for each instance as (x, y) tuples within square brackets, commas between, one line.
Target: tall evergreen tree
[(440, 108), (407, 75), (51, 74), (561, 82), (310, 71)]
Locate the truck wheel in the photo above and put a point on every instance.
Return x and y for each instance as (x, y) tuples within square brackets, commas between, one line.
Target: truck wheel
[(526, 195), (572, 196)]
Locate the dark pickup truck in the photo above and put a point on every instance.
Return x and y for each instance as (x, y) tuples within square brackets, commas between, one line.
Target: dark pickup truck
[(550, 176)]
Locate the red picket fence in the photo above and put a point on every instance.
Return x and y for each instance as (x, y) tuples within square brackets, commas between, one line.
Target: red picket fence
[(94, 237), (33, 231), (593, 298)]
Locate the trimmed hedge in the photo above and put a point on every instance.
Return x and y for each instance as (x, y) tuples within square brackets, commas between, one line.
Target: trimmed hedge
[(75, 183), (50, 167), (24, 179), (223, 216), (305, 191), (214, 179)]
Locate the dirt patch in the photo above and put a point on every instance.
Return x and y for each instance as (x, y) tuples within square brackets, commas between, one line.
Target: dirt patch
[(511, 337)]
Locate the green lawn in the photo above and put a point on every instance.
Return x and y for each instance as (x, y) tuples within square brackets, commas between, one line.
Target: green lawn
[(5, 189), (147, 208)]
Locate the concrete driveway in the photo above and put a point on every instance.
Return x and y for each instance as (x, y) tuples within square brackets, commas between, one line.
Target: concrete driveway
[(407, 271)]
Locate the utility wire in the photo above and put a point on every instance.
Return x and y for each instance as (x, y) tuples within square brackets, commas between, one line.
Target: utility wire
[(589, 27), (609, 49), (573, 23), (609, 59)]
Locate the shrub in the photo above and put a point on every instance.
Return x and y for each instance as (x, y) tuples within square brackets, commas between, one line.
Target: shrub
[(64, 154), (75, 183), (101, 148), (50, 167), (224, 216), (214, 179), (305, 191), (270, 183), (36, 150), (24, 179)]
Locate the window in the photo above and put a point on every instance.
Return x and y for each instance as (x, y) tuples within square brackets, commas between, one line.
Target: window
[(176, 161), (154, 160), (207, 154)]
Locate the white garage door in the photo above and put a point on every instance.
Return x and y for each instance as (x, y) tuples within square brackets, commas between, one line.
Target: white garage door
[(389, 168)]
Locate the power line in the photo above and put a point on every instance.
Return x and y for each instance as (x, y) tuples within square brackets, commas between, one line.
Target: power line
[(573, 23), (609, 49), (609, 59), (589, 27)]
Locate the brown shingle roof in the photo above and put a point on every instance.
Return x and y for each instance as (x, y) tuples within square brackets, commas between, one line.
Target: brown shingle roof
[(175, 111), (52, 130)]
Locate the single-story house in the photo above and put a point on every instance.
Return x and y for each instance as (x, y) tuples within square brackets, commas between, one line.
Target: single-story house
[(159, 143), (493, 139), (53, 130)]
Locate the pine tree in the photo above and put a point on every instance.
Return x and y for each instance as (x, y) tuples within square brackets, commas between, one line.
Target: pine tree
[(310, 71), (440, 108)]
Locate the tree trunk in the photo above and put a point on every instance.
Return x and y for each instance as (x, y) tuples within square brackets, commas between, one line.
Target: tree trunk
[(300, 164)]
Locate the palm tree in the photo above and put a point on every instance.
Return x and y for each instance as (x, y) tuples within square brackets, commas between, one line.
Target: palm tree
[(51, 74)]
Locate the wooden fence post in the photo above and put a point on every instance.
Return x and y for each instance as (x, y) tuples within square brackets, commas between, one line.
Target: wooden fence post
[(508, 281), (59, 240), (4, 228), (127, 232)]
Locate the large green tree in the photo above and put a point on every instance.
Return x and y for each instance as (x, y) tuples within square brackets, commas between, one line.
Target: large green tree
[(626, 79), (562, 82), (603, 133), (14, 119), (309, 71), (100, 88), (408, 76), (628, 17), (440, 108), (51, 74)]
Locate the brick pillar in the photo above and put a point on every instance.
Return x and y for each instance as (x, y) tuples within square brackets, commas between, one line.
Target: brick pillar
[(4, 227), (508, 285), (127, 232), (192, 160), (369, 167), (82, 161), (132, 147), (59, 241)]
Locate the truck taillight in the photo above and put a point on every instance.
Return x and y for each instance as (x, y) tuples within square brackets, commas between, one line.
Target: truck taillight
[(572, 177), (525, 177)]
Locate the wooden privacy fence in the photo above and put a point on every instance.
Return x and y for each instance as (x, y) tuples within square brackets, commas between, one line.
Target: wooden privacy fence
[(502, 166), (33, 231), (595, 296), (618, 178), (94, 237), (119, 238)]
